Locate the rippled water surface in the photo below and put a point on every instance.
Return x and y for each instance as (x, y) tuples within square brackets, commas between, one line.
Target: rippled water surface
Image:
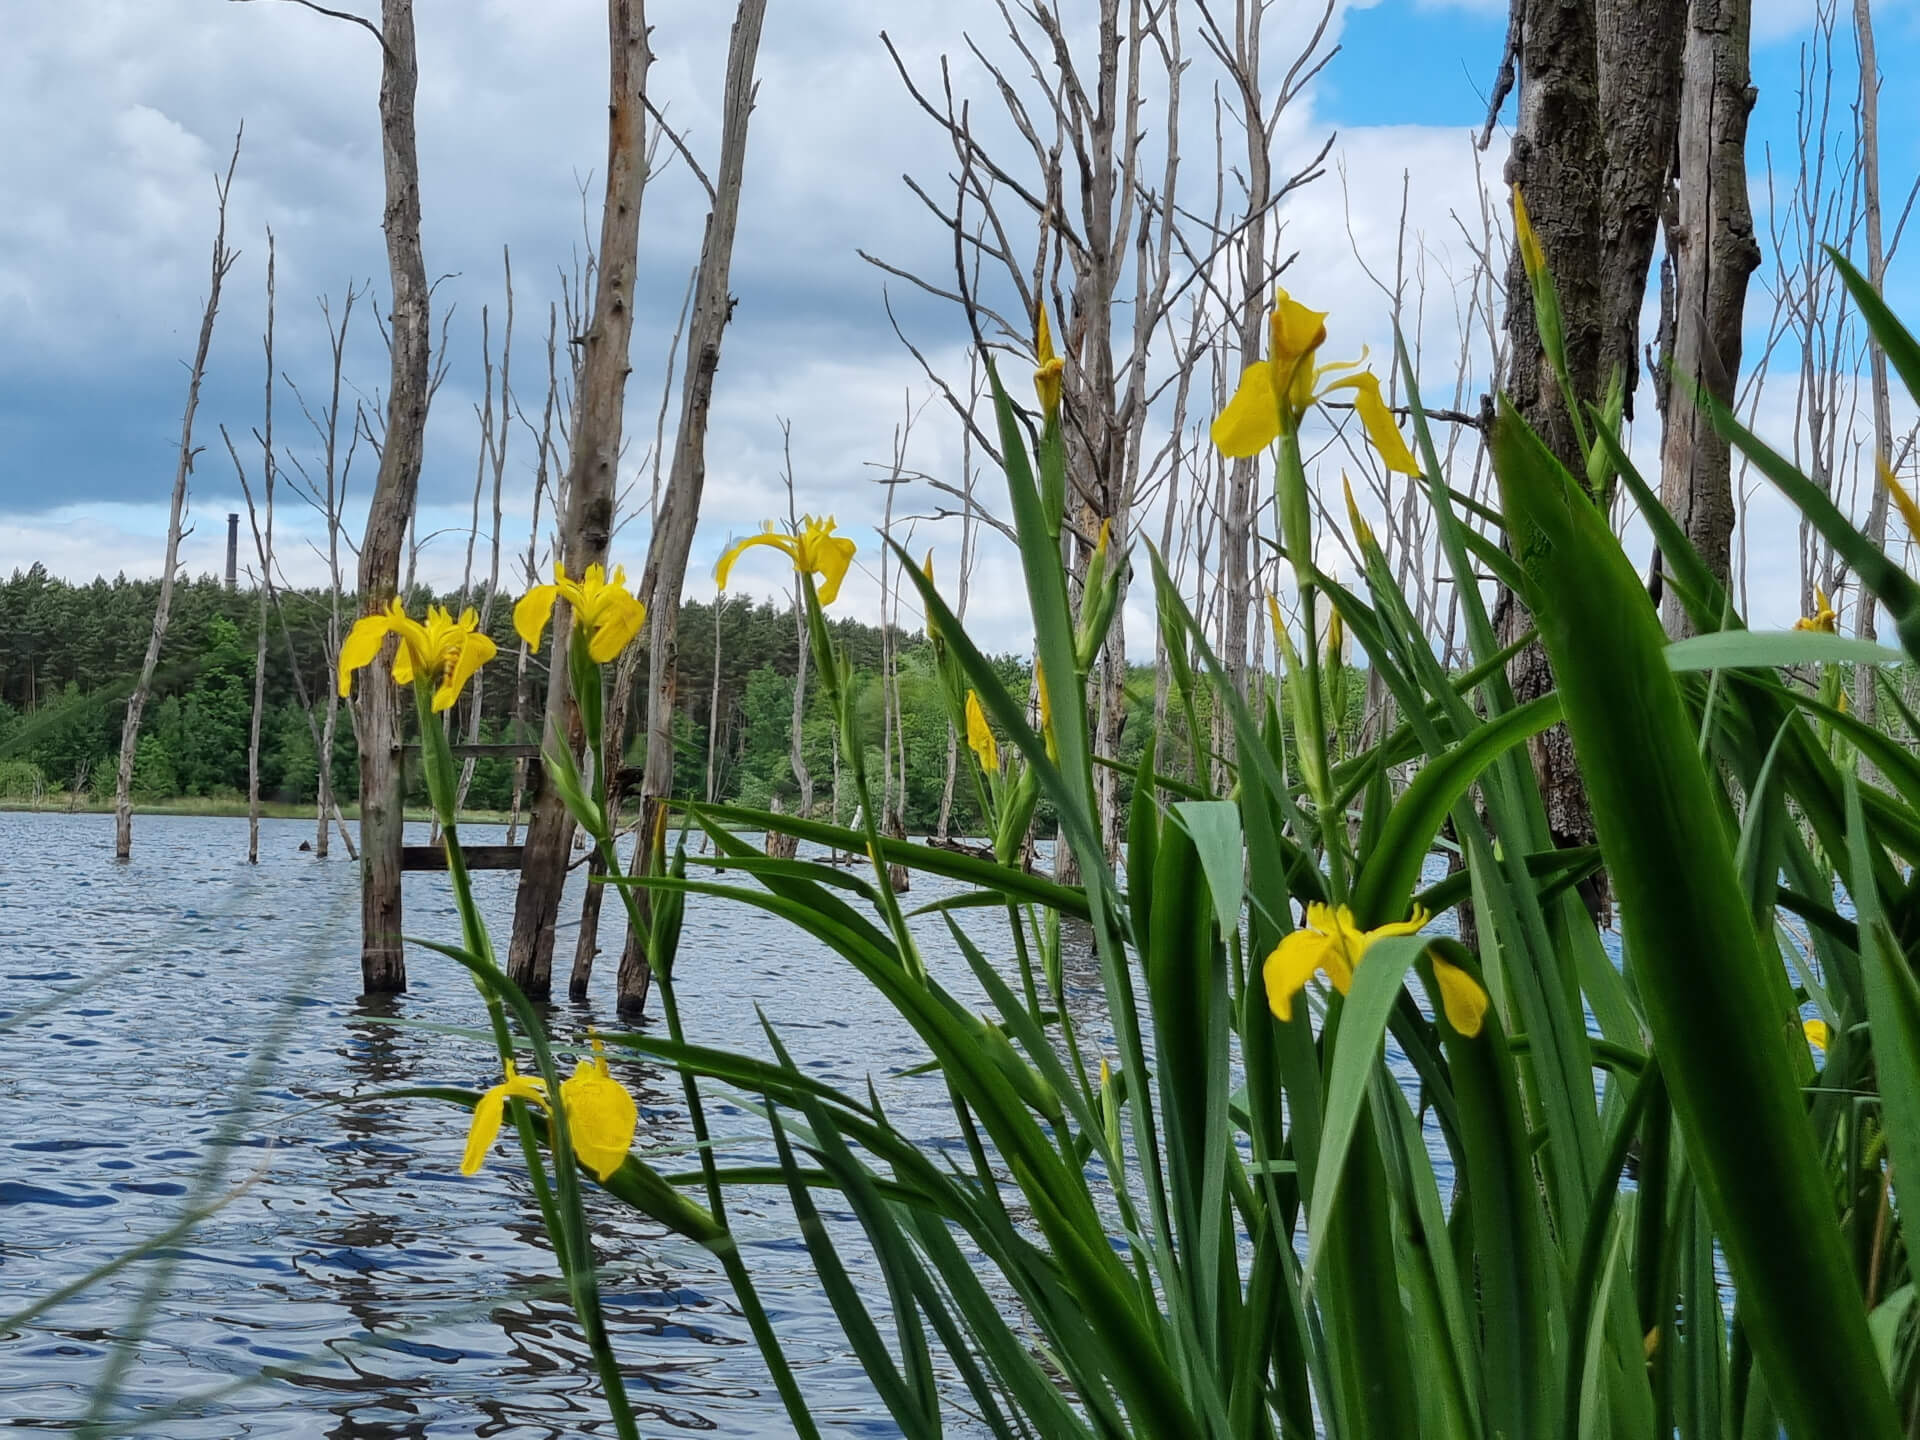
[(178, 1031)]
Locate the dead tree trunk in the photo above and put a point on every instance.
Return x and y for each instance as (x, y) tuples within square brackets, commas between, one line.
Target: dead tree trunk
[(335, 478), (680, 506), (796, 750), (1714, 252), (1574, 170), (266, 587), (383, 968), (1865, 696), (522, 681), (223, 259), (592, 470), (494, 449)]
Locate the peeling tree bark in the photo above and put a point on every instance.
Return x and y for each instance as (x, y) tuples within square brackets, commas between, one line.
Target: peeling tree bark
[(680, 505), (1714, 252), (223, 259), (592, 467), (376, 710)]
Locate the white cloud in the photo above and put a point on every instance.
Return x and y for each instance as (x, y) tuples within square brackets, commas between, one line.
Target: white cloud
[(127, 108)]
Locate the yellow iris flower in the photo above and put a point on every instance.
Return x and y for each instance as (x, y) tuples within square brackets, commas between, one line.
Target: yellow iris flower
[(816, 550), (1823, 618), (1048, 367), (1817, 1033), (1333, 944), (601, 1115), (1274, 393), (445, 649), (487, 1113), (611, 613), (979, 738)]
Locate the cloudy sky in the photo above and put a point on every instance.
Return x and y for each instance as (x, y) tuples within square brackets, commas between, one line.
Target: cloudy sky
[(119, 112)]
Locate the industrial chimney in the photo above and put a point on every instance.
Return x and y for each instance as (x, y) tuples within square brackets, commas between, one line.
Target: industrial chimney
[(233, 548)]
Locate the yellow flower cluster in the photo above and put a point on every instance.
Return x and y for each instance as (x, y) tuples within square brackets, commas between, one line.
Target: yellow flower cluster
[(601, 1115), (815, 550), (1276, 392), (1331, 943), (448, 651)]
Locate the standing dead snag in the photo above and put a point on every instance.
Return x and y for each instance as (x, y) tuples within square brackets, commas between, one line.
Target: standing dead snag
[(383, 968), (264, 545), (591, 472), (223, 259), (1714, 251), (666, 571), (1865, 696), (1595, 134)]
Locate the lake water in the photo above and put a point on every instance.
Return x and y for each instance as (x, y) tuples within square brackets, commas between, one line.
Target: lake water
[(358, 1285)]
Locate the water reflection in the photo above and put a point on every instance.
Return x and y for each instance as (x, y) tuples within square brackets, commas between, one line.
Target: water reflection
[(363, 1287)]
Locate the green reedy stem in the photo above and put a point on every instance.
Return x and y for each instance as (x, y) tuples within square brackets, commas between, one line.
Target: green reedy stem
[(726, 1248), (1310, 728), (565, 1221), (826, 661)]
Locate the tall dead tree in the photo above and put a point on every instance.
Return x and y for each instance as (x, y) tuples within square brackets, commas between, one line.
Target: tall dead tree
[(1237, 45), (328, 495), (796, 750), (376, 712), (1865, 695), (223, 259), (265, 546), (593, 463), (493, 452), (1713, 250), (1082, 180), (1593, 133), (679, 512)]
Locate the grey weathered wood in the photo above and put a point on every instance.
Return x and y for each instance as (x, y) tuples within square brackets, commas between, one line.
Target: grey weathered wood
[(1714, 251), (673, 531), (223, 259), (478, 857), (592, 465), (1866, 697), (377, 709), (263, 549)]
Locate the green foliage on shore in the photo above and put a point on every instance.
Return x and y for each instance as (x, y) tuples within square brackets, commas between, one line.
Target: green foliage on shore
[(70, 654)]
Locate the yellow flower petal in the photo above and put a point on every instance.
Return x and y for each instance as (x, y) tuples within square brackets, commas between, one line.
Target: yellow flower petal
[(733, 552), (1290, 966), (979, 737), (1251, 421), (483, 1130), (1461, 997), (363, 643), (488, 1110), (1817, 1033), (1378, 420), (618, 618), (531, 615), (601, 1117), (475, 650), (1531, 255), (1909, 511), (1293, 331), (835, 555), (1049, 368)]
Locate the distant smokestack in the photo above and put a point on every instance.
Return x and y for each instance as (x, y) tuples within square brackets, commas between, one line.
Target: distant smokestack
[(233, 549)]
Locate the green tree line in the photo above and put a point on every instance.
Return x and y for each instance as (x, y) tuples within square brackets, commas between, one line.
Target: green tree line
[(70, 655)]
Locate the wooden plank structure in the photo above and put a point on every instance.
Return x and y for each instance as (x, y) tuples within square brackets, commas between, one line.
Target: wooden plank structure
[(479, 857)]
